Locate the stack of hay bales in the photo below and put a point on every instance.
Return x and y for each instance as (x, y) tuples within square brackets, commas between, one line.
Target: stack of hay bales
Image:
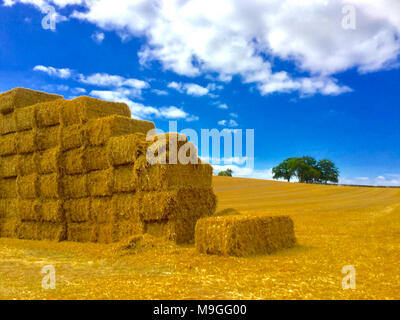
[(77, 170), (238, 235)]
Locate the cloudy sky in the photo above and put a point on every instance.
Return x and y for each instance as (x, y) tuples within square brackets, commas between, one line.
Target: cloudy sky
[(311, 77)]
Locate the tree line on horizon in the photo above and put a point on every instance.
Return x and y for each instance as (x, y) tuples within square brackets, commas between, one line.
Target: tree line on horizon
[(307, 170)]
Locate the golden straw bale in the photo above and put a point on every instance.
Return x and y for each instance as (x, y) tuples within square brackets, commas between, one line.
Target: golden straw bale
[(101, 210), (82, 109), (8, 188), (8, 208), (7, 123), (158, 228), (168, 177), (8, 166), (125, 207), (73, 161), (26, 141), (77, 210), (27, 164), (47, 138), (28, 186), (115, 232), (52, 211), (75, 186), (21, 97), (99, 131), (71, 137), (100, 183), (244, 235), (29, 210), (8, 227), (123, 179), (25, 118), (48, 113), (32, 230), (8, 144), (95, 158), (165, 148), (49, 161), (126, 149), (50, 186), (82, 232)]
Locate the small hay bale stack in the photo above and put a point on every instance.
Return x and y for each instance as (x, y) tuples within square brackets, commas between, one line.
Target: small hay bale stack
[(244, 235)]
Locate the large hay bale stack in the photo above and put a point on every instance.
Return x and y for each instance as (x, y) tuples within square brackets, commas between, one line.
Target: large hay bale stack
[(77, 170), (238, 235)]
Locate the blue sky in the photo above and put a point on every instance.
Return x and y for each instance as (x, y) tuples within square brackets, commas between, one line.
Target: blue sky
[(304, 83)]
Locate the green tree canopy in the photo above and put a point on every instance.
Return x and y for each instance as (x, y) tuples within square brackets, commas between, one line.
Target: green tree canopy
[(307, 170), (226, 173)]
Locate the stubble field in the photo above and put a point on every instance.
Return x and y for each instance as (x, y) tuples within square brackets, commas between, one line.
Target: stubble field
[(335, 226)]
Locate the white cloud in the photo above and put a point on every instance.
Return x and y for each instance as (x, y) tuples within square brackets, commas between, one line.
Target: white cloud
[(107, 80), (160, 92), (382, 180), (244, 37), (98, 37), (223, 106), (63, 73), (141, 111), (240, 171), (231, 123), (222, 123), (233, 115), (191, 89)]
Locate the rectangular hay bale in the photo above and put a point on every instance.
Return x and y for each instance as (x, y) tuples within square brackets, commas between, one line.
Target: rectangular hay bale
[(8, 166), (77, 210), (71, 137), (26, 141), (82, 109), (75, 186), (50, 186), (8, 144), (8, 227), (32, 230), (124, 179), (47, 138), (25, 118), (21, 97), (49, 161), (28, 186), (72, 161), (101, 210), (7, 124), (82, 232), (244, 235), (27, 164), (95, 158), (52, 211), (126, 149), (48, 113), (100, 183), (8, 188)]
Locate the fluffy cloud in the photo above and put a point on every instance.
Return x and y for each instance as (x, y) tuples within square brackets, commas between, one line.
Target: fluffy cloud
[(63, 73), (98, 37), (244, 38), (191, 89), (383, 180), (231, 123), (240, 171)]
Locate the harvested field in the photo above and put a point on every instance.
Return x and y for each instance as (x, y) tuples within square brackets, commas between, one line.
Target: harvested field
[(334, 226)]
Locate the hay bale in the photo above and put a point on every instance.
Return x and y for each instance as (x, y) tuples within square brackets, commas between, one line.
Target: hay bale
[(50, 186), (82, 232), (101, 210), (52, 211), (47, 138), (29, 210), (95, 158), (31, 230), (26, 141), (8, 208), (100, 183), (116, 232), (82, 109), (8, 144), (49, 161), (125, 207), (21, 97), (244, 235), (99, 131), (77, 210), (167, 177), (28, 186), (27, 164), (8, 188), (126, 149), (25, 118), (8, 166), (165, 148), (75, 186), (71, 137), (7, 124), (48, 113), (8, 227), (72, 161), (124, 179)]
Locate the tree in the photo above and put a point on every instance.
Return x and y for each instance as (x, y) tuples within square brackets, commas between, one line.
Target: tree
[(307, 170), (226, 173), (285, 170), (329, 172)]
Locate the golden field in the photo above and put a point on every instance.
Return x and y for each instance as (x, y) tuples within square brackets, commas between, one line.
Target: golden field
[(335, 226)]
